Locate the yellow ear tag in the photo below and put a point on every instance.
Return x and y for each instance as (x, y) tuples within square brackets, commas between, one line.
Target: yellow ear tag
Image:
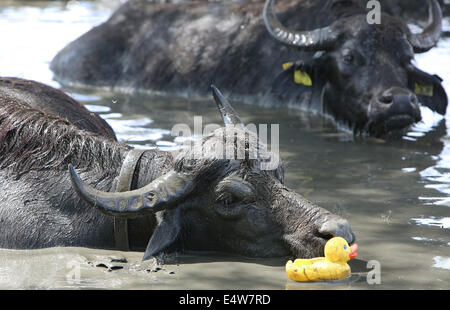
[(424, 90), (287, 65), (303, 78)]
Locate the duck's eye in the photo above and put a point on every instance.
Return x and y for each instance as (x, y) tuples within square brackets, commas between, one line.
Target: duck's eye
[(345, 247)]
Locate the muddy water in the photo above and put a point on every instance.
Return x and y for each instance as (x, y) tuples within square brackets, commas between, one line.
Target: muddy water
[(396, 195)]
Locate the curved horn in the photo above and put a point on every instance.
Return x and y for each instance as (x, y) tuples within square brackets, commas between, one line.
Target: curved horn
[(229, 116), (317, 39), (430, 36), (160, 194)]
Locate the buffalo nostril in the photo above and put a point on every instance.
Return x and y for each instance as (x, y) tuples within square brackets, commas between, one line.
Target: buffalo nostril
[(326, 235), (385, 98), (413, 99), (336, 227)]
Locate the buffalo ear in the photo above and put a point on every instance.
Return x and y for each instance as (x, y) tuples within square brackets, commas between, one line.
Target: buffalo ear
[(299, 82), (165, 238), (428, 89)]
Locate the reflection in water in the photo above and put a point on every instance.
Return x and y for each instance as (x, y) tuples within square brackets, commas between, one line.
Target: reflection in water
[(42, 32), (439, 177), (439, 222), (396, 194), (96, 108), (134, 130), (442, 262)]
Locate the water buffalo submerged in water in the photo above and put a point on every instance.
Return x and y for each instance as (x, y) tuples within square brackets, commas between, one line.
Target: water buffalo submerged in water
[(359, 73), (176, 202), (364, 75)]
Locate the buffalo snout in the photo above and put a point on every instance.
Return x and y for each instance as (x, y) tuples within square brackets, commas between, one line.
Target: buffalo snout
[(335, 226), (306, 226), (394, 109)]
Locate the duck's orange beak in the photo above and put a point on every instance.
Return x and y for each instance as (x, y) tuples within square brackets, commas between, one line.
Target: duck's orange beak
[(353, 249)]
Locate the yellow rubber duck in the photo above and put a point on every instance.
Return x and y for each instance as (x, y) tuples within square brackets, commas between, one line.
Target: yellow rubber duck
[(331, 267)]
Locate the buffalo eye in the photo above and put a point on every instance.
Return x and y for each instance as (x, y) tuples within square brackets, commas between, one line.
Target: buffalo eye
[(227, 199), (234, 190), (348, 58)]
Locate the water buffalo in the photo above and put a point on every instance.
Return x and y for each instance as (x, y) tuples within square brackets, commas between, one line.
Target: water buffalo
[(363, 74), (360, 74), (175, 201), (56, 102)]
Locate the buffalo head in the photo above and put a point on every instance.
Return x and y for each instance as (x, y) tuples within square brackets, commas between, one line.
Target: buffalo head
[(363, 73), (213, 203)]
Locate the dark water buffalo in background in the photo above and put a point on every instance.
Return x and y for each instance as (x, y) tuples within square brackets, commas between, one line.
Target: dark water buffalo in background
[(413, 11), (361, 74), (176, 202)]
